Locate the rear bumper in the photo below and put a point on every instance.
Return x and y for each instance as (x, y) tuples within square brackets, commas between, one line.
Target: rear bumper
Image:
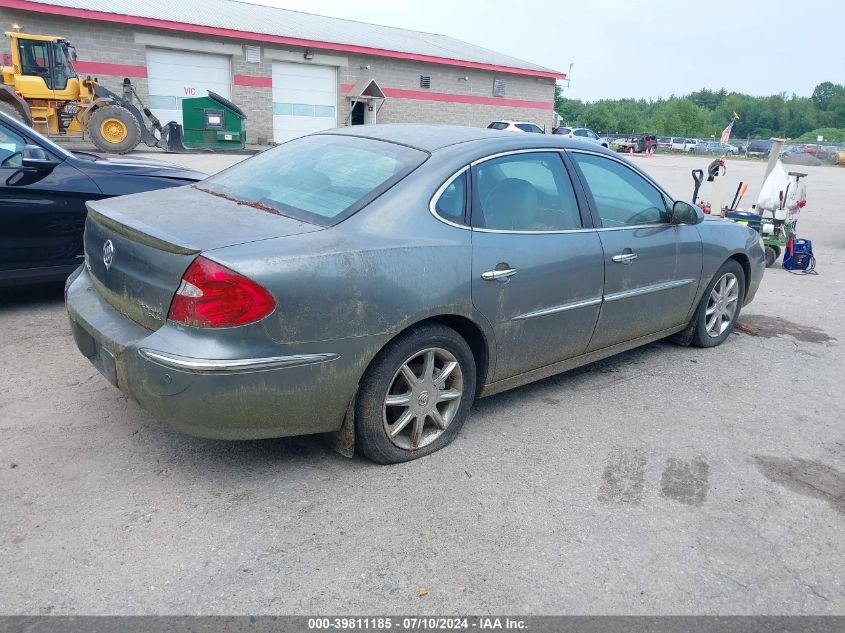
[(293, 392)]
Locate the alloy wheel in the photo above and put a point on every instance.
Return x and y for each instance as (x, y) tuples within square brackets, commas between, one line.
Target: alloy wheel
[(722, 305), (423, 398)]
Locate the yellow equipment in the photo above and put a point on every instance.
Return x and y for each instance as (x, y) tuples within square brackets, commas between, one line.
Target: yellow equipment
[(41, 88)]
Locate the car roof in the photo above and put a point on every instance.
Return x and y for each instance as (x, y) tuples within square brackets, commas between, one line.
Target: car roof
[(432, 137)]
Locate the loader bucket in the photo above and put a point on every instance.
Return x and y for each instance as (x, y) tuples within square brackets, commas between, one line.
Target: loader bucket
[(171, 139)]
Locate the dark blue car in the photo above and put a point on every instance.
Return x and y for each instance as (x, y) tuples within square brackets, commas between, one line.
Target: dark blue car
[(43, 190)]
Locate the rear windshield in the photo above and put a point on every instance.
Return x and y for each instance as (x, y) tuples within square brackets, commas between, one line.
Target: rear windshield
[(562, 130), (497, 125), (321, 179)]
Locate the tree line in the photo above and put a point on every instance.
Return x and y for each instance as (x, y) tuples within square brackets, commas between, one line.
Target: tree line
[(705, 114)]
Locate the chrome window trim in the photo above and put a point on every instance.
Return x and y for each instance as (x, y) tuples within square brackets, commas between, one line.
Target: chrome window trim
[(510, 152), (432, 205), (482, 230), (644, 290), (545, 150), (211, 366), (556, 150), (573, 305)]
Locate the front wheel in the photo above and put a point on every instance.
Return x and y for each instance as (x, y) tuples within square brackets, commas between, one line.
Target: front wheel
[(415, 396), (719, 309), (114, 129)]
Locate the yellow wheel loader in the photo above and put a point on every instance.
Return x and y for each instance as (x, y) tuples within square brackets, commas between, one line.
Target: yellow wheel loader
[(41, 88)]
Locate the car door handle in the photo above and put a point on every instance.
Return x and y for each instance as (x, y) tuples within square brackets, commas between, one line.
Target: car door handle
[(492, 275), (624, 258)]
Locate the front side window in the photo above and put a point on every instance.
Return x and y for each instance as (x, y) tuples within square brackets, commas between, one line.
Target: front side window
[(580, 133), (321, 179), (451, 205), (11, 148), (528, 127), (622, 196), (525, 192)]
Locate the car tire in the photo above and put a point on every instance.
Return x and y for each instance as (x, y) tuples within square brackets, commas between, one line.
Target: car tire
[(114, 129), (403, 410), (772, 254), (719, 308)]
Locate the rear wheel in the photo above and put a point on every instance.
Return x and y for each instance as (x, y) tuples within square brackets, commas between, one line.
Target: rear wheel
[(719, 309), (415, 396), (114, 129)]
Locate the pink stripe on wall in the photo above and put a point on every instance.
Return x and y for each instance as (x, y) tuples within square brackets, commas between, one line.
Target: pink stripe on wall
[(255, 82), (88, 14), (425, 95), (119, 70)]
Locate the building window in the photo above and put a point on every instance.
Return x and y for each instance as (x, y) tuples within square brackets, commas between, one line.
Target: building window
[(498, 87), (425, 81), (252, 54)]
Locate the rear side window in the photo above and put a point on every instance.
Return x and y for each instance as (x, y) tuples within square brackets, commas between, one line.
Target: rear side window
[(528, 127), (451, 205), (320, 179), (525, 192), (497, 125), (622, 196), (580, 133)]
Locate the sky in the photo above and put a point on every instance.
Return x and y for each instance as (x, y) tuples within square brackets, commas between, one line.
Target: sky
[(636, 48)]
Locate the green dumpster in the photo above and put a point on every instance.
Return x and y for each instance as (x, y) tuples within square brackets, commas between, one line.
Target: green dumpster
[(213, 122)]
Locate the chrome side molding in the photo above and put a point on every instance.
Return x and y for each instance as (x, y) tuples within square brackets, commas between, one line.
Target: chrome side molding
[(234, 365)]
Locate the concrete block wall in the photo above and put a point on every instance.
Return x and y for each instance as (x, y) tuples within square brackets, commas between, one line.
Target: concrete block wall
[(115, 44)]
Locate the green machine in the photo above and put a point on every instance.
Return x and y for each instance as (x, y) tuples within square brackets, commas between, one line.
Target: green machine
[(212, 122)]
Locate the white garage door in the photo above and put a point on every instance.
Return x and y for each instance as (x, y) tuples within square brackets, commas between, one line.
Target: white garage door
[(176, 75), (304, 99)]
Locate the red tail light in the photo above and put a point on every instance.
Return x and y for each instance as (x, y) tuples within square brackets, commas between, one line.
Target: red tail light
[(212, 296)]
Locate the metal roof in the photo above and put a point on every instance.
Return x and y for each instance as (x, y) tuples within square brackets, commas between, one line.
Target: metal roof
[(248, 20)]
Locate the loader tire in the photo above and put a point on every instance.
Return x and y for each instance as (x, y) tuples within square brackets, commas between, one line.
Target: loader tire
[(10, 110), (114, 129)]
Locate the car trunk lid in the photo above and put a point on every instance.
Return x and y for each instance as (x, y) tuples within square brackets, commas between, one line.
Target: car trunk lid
[(138, 247)]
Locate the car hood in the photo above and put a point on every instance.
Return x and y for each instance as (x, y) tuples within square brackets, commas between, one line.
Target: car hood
[(135, 166), (191, 220)]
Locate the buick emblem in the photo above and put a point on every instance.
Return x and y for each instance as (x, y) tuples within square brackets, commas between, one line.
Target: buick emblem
[(108, 253)]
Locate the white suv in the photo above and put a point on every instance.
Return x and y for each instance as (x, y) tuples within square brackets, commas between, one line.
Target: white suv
[(516, 126), (583, 133)]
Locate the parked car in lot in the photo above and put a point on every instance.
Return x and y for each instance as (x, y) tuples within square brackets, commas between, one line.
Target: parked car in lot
[(822, 152), (516, 126), (372, 281), (664, 142), (582, 133), (43, 191), (714, 147), (682, 144), (759, 148)]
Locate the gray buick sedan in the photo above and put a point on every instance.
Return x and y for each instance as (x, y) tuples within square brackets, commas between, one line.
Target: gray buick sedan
[(371, 282)]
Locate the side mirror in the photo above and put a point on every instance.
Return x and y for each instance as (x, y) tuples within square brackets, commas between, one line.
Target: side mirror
[(686, 213), (35, 157)]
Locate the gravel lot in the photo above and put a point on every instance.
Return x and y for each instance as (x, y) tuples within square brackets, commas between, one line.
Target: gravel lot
[(666, 480)]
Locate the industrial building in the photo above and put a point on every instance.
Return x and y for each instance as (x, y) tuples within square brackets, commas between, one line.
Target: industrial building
[(292, 73)]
